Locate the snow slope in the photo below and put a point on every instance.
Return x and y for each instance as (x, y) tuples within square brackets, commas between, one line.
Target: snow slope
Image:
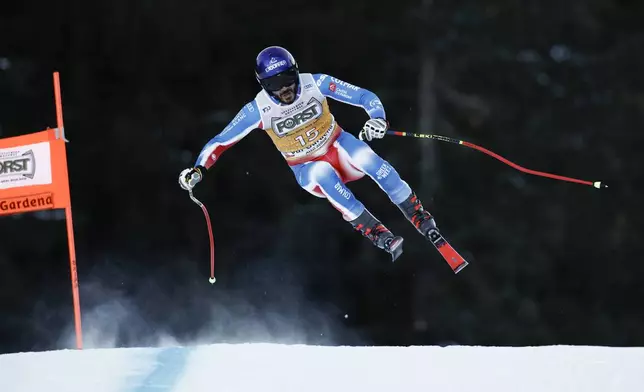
[(284, 368)]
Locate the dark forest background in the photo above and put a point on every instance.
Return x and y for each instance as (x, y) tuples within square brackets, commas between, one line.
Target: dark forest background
[(552, 85)]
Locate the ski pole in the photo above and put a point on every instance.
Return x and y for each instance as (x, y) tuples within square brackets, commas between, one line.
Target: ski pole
[(212, 279), (596, 184)]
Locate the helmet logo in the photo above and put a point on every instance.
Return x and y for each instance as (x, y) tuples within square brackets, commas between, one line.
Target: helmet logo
[(273, 65)]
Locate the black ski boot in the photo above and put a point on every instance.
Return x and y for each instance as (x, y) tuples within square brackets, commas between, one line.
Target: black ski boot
[(379, 235), (422, 220)]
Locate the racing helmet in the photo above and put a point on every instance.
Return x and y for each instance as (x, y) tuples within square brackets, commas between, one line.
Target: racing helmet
[(275, 67)]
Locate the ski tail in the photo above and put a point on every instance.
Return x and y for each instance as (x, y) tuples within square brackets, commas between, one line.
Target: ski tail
[(451, 256)]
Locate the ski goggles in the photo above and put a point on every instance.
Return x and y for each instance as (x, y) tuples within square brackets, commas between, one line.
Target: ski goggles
[(283, 79)]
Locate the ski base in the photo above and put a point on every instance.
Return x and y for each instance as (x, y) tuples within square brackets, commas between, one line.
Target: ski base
[(451, 256)]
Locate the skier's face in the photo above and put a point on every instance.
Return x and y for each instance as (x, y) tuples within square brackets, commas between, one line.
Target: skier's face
[(286, 94)]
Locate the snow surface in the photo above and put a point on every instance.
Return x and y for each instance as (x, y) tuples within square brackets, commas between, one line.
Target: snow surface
[(284, 368)]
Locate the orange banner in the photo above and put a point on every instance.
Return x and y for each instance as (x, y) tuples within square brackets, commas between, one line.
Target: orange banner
[(33, 173), (33, 177)]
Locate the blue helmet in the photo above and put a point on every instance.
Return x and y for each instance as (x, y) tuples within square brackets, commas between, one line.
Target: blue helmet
[(275, 67)]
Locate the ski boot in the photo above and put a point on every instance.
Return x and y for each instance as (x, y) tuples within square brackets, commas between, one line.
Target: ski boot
[(422, 220), (424, 223), (379, 235)]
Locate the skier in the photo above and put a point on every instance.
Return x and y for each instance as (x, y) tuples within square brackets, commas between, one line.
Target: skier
[(292, 108)]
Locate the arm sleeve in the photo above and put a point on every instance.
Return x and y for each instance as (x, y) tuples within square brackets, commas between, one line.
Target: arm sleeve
[(348, 93), (245, 121)]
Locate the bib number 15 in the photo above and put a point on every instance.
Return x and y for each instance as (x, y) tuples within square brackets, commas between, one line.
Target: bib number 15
[(311, 134)]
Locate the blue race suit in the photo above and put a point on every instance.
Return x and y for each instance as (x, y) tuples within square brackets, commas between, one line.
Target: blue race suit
[(321, 154)]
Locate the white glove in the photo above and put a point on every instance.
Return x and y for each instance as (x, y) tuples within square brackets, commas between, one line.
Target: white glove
[(374, 128), (189, 178)]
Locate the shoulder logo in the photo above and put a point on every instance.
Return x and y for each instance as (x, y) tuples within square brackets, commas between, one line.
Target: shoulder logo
[(319, 82), (345, 84)]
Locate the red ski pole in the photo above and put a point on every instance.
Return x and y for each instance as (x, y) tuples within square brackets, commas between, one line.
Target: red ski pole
[(212, 279), (596, 184)]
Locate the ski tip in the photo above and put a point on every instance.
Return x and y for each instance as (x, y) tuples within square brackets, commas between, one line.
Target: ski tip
[(460, 267)]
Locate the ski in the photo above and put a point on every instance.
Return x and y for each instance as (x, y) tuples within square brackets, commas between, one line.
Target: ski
[(451, 256)]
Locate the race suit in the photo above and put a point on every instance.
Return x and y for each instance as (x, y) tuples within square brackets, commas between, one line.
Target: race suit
[(321, 154)]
